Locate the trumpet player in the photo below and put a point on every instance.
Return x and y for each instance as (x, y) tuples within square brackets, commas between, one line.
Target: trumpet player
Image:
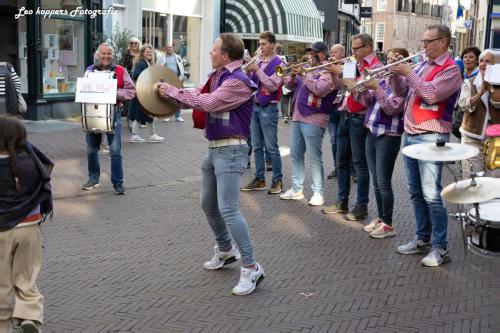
[(353, 133), (312, 100), (384, 122), (433, 87), (265, 115)]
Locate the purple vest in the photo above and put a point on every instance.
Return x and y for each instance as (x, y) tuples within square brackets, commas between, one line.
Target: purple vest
[(378, 122), (307, 102), (262, 95), (233, 123)]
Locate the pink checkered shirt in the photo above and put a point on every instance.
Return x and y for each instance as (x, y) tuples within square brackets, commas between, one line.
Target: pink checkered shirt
[(444, 85), (231, 93)]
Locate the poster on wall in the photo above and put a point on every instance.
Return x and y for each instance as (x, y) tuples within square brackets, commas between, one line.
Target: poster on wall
[(66, 37), (50, 41)]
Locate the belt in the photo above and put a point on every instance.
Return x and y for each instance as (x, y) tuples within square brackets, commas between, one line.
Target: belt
[(354, 115), (226, 142), (424, 133)]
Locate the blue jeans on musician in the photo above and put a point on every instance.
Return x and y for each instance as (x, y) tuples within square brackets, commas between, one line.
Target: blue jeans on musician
[(343, 159), (220, 191), (381, 154), (114, 141), (306, 137), (264, 128), (424, 182), (357, 136), (333, 124)]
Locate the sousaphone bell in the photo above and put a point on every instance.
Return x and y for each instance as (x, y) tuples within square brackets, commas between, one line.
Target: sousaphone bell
[(147, 91)]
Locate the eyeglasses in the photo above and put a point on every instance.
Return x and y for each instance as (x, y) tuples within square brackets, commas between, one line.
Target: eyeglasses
[(355, 49), (134, 43), (428, 41)]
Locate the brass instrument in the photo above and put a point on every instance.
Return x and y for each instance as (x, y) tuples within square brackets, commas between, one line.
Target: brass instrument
[(380, 75), (256, 57), (330, 62), (285, 71), (492, 153), (368, 74)]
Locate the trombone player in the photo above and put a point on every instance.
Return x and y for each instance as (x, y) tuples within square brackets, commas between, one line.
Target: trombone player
[(265, 114), (313, 96)]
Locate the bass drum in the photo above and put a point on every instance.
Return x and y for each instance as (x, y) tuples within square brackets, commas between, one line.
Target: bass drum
[(484, 236)]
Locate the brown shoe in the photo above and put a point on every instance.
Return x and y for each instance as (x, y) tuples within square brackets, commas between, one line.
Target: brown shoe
[(255, 185), (276, 187)]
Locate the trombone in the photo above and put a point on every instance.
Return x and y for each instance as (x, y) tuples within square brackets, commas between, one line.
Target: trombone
[(256, 57)]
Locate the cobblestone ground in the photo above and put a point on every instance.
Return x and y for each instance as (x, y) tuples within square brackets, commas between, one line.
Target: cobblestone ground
[(133, 263)]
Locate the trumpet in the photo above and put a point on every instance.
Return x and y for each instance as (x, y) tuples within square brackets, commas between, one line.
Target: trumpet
[(378, 75), (330, 62), (285, 71), (368, 74), (256, 57)]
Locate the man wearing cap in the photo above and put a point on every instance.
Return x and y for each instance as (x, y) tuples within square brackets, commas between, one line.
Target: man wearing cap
[(265, 115), (312, 100), (352, 119)]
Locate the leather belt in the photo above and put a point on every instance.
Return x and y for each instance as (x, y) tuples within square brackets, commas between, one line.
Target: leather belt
[(226, 142)]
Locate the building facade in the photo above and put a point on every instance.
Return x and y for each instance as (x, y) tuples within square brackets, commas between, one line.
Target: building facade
[(401, 23)]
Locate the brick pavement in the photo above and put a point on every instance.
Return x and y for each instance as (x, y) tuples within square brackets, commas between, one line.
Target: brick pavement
[(133, 263)]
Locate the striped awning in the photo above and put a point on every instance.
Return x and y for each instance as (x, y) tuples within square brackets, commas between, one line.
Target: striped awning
[(293, 20)]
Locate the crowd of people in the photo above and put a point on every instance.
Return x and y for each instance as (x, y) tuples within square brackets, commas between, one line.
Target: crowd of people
[(367, 121)]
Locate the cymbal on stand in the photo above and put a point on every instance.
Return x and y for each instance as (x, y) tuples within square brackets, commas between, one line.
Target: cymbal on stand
[(147, 91), (469, 191), (440, 153)]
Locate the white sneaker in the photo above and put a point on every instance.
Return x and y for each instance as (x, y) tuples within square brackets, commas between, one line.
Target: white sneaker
[(382, 231), (221, 259), (372, 225), (179, 119), (436, 257), (155, 138), (291, 195), (249, 280), (136, 139), (317, 200), (166, 120)]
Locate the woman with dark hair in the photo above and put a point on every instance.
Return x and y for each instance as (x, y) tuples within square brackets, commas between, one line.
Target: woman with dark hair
[(143, 60), (25, 200), (470, 57), (384, 122)]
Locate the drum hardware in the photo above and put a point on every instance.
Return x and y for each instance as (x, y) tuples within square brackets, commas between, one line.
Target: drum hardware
[(147, 91), (99, 118), (440, 151), (471, 191)]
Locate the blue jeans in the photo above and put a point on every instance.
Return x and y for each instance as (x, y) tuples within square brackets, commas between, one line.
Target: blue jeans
[(177, 114), (307, 137), (220, 190), (357, 136), (333, 125), (424, 182), (381, 154), (264, 128), (343, 159), (115, 145)]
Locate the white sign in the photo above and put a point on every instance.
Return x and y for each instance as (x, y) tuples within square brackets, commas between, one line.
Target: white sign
[(492, 74), (349, 70), (96, 90)]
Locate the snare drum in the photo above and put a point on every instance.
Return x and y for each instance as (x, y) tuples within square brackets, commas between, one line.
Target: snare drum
[(484, 236)]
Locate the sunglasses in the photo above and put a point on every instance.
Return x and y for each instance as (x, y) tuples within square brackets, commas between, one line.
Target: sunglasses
[(134, 43)]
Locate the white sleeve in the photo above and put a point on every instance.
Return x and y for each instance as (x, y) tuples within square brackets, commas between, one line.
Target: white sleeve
[(465, 97)]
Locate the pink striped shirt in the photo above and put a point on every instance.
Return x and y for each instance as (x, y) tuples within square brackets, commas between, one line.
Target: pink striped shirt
[(443, 86), (319, 87), (231, 93), (270, 83)]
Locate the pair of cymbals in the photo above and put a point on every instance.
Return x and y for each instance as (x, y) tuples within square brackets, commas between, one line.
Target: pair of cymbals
[(474, 190), (440, 152)]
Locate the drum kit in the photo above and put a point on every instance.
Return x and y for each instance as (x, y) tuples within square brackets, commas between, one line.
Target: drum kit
[(100, 118), (481, 223)]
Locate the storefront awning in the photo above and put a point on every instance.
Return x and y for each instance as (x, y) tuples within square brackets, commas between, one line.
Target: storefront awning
[(292, 20)]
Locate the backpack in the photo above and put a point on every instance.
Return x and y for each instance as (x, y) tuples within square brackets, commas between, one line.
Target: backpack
[(9, 100)]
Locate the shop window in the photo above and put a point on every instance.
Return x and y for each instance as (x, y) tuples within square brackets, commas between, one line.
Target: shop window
[(186, 40), (63, 56), (154, 29)]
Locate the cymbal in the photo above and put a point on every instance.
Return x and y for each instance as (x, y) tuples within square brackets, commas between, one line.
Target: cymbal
[(464, 192), (448, 152), (147, 92)]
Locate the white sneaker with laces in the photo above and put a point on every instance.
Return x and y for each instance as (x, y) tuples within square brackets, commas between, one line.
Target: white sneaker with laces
[(136, 139), (317, 200), (382, 231), (372, 225), (221, 258), (155, 138), (179, 119), (436, 257), (291, 195), (249, 280)]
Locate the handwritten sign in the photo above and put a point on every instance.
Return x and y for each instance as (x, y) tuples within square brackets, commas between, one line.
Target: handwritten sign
[(349, 70), (492, 74), (96, 90)]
